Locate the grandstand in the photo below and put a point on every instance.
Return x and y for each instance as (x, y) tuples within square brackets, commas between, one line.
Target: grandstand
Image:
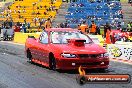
[(100, 11), (31, 9)]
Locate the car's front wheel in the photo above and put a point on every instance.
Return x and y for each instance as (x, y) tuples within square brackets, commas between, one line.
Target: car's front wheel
[(52, 62), (102, 69)]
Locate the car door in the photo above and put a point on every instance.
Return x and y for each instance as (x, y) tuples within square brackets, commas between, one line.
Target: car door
[(43, 47)]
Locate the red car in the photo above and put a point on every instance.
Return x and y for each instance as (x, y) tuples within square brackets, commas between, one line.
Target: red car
[(118, 35), (66, 48)]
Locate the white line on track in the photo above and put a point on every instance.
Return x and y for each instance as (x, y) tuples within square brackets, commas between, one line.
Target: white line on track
[(11, 42)]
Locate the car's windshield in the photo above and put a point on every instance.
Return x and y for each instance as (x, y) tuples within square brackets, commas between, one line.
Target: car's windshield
[(95, 40), (61, 37)]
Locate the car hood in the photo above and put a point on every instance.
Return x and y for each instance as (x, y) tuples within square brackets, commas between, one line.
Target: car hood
[(87, 49)]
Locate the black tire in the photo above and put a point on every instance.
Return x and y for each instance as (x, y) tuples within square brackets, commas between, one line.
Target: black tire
[(102, 70), (29, 56), (52, 63)]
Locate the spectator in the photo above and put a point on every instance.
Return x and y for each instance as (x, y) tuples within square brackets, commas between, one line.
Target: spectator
[(24, 28), (5, 23), (61, 25), (2, 26), (57, 26), (47, 24), (16, 29), (65, 25), (84, 27), (40, 23), (24, 11), (52, 8), (106, 27), (93, 28), (45, 13), (108, 37), (28, 25), (18, 23), (35, 21), (122, 24), (25, 21), (98, 30), (92, 1), (38, 13), (78, 27), (10, 24), (0, 31)]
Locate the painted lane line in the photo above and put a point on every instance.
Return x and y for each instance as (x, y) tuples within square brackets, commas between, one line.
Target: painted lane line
[(12, 43)]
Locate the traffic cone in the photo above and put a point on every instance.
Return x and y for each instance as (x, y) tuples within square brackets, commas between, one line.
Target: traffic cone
[(108, 40)]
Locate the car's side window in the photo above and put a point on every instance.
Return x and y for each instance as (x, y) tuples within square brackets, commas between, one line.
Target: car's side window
[(44, 38)]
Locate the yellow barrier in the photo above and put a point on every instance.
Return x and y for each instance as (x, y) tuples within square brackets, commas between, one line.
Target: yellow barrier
[(34, 30), (124, 1), (21, 37)]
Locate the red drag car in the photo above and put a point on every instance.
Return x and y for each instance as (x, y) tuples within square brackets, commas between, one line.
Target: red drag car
[(65, 48)]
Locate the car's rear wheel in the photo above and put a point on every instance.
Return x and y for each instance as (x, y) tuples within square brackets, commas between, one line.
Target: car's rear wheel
[(52, 62), (29, 56)]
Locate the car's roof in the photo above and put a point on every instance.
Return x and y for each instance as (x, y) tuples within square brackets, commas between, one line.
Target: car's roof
[(61, 29)]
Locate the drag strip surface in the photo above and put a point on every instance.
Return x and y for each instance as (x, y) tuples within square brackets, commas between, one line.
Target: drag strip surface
[(16, 72)]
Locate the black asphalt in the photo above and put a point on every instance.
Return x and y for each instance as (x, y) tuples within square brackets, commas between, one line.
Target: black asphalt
[(16, 72)]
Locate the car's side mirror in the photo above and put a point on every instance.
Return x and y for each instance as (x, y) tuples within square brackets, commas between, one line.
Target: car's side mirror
[(31, 37)]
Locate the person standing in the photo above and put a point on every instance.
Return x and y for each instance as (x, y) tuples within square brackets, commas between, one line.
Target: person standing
[(47, 24), (108, 37), (25, 21), (84, 27), (24, 28), (106, 27), (98, 30), (0, 31), (61, 25), (93, 28)]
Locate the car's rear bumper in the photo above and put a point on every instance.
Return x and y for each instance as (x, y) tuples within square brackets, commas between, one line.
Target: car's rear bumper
[(68, 64)]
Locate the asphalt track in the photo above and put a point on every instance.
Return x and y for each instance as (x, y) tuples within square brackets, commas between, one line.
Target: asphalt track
[(16, 72)]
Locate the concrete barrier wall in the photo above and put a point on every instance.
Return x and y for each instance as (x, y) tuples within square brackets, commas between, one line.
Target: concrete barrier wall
[(120, 51), (21, 37)]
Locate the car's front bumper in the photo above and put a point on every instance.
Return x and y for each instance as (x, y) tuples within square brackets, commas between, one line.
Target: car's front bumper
[(68, 64)]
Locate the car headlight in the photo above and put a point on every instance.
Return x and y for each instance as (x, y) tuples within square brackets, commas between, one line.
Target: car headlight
[(105, 55), (67, 55)]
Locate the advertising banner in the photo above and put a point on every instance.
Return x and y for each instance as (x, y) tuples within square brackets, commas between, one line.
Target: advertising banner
[(123, 52)]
